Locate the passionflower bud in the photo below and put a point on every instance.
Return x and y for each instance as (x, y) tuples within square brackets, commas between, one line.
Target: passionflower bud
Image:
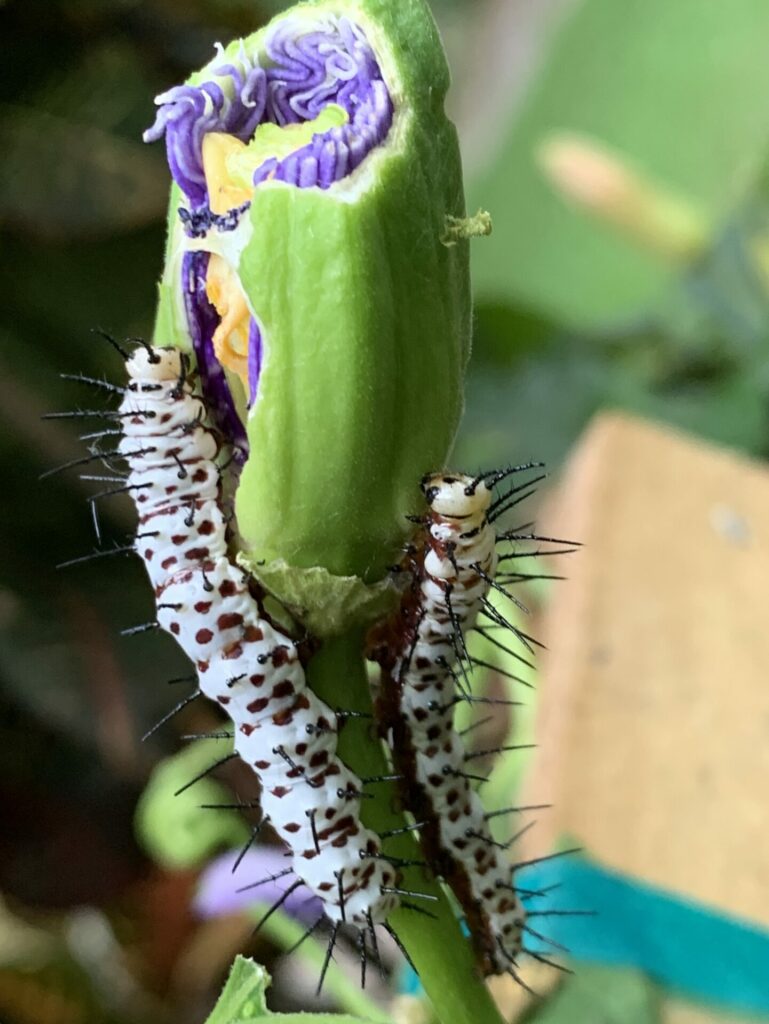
[(314, 267)]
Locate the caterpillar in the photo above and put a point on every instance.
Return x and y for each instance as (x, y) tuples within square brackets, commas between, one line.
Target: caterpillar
[(421, 649), (248, 665)]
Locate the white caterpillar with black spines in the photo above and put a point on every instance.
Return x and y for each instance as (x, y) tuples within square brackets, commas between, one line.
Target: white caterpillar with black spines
[(283, 731), (422, 651)]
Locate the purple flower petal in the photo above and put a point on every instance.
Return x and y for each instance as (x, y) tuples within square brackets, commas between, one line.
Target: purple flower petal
[(218, 895), (203, 320), (255, 355)]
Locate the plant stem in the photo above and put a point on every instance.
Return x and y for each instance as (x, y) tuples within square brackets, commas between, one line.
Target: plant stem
[(439, 951)]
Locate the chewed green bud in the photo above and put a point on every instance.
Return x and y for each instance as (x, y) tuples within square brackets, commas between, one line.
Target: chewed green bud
[(316, 174)]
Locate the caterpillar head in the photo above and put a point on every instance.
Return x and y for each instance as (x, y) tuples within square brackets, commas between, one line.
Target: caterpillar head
[(157, 364), (455, 496)]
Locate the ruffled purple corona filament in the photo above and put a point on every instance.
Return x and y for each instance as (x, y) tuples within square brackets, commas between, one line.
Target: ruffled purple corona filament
[(310, 71), (187, 113), (305, 67)]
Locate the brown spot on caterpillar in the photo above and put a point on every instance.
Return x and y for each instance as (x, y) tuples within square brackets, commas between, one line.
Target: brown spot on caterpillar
[(203, 607), (283, 689), (229, 620), (280, 655), (204, 636)]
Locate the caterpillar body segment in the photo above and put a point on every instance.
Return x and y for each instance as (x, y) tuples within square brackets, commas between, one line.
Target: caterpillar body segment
[(421, 651), (283, 731)]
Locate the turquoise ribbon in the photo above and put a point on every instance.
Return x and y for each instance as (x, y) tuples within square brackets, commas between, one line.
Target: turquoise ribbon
[(685, 946)]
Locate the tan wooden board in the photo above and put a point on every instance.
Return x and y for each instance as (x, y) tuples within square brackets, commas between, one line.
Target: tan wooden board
[(675, 1011), (654, 717)]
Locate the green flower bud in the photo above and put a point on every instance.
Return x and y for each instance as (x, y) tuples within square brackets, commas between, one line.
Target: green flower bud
[(319, 237)]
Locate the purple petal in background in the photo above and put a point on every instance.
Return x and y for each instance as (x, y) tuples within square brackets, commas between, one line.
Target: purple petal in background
[(218, 894)]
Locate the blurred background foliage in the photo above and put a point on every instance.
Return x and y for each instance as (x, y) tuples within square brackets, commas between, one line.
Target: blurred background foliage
[(621, 150)]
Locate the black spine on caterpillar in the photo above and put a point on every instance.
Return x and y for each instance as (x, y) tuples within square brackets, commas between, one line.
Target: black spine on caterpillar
[(283, 731), (452, 561)]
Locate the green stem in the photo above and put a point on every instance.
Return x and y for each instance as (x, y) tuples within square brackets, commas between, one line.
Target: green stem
[(439, 951)]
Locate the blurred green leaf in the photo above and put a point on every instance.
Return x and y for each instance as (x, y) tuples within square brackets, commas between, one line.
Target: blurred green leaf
[(681, 89), (601, 995), (171, 823), (64, 180)]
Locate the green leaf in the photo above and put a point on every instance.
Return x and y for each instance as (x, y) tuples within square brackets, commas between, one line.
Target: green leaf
[(601, 994), (243, 996), (671, 86), (315, 1018), (243, 1001)]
